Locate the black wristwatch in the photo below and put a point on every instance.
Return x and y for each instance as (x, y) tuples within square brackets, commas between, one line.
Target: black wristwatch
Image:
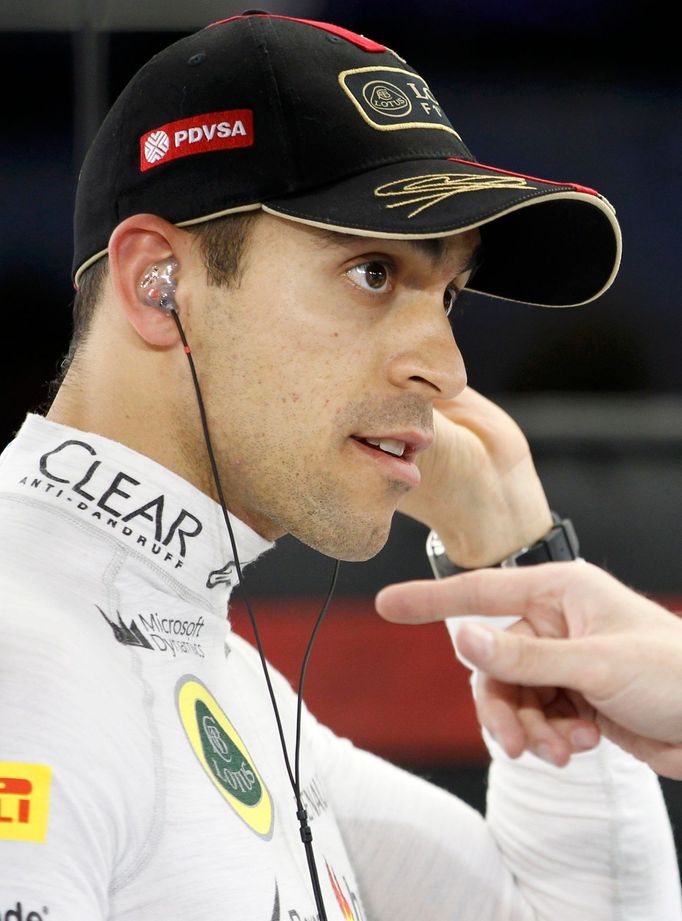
[(560, 543)]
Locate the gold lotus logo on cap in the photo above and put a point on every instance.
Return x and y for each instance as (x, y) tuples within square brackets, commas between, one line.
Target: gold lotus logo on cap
[(392, 98), (386, 98)]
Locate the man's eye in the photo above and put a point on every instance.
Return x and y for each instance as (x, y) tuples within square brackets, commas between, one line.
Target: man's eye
[(449, 298), (372, 276)]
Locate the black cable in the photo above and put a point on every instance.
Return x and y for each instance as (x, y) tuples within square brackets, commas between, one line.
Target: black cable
[(306, 833), (294, 778), (304, 666)]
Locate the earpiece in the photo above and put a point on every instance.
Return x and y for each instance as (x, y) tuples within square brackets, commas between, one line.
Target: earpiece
[(160, 286)]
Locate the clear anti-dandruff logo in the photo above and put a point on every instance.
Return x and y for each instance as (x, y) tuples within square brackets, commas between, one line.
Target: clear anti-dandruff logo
[(73, 475), (223, 756)]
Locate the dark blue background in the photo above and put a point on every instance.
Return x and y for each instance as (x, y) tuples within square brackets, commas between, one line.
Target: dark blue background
[(578, 91)]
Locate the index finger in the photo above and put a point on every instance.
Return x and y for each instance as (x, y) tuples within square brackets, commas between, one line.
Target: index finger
[(493, 592)]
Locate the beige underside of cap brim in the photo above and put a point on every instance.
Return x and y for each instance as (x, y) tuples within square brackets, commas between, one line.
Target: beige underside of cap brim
[(596, 201)]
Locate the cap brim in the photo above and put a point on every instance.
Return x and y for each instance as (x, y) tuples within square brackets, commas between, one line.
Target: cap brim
[(544, 243)]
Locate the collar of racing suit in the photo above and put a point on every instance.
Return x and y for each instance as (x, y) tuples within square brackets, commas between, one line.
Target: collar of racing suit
[(134, 500)]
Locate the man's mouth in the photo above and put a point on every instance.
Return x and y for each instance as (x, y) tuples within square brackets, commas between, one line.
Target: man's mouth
[(394, 453), (389, 445), (405, 447)]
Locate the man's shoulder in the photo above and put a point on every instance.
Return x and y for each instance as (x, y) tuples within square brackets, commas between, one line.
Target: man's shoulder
[(43, 550), (45, 592)]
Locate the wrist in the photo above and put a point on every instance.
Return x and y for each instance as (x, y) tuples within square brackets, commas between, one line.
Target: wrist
[(496, 537), (559, 543)]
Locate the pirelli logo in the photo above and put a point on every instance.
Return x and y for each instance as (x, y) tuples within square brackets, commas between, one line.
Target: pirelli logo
[(24, 801)]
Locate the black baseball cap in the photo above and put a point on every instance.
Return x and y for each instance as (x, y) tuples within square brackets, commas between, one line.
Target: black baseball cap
[(314, 123)]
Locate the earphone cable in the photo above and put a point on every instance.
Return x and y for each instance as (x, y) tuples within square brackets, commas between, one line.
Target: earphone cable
[(306, 834), (304, 666)]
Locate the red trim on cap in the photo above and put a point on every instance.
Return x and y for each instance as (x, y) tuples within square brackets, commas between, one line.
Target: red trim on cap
[(365, 43), (507, 172)]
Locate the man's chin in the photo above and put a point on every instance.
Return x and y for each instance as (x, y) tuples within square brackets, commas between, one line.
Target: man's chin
[(352, 544)]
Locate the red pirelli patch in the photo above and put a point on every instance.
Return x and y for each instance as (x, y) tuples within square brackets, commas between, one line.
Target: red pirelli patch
[(196, 135)]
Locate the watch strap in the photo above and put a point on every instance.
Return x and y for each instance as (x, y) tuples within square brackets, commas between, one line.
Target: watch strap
[(559, 544)]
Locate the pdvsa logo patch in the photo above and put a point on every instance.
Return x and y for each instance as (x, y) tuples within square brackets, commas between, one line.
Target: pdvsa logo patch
[(195, 135), (223, 756), (390, 98), (24, 801)]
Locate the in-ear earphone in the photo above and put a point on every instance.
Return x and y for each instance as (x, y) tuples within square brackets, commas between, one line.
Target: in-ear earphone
[(160, 286)]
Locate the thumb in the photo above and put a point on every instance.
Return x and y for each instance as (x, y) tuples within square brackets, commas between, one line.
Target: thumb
[(525, 660)]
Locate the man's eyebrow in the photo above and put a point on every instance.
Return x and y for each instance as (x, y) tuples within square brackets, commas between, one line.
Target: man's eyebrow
[(433, 247)]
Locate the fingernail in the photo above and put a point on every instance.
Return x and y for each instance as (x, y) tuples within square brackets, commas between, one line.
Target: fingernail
[(582, 739)]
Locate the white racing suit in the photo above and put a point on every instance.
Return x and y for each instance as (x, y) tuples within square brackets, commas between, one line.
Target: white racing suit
[(141, 772)]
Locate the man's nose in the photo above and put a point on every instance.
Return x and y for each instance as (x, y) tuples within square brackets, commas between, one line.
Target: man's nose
[(428, 359)]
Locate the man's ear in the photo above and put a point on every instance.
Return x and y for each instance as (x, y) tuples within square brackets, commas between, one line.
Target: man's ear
[(137, 245)]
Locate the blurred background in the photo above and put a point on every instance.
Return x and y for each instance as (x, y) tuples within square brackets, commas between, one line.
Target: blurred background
[(588, 91)]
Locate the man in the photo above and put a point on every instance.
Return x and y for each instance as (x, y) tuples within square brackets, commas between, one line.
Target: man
[(265, 263), (621, 651)]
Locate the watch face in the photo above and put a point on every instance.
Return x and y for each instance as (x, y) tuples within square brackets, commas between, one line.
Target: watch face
[(434, 545), (441, 564)]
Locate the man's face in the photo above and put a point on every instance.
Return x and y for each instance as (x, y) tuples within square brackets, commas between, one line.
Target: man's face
[(319, 373)]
